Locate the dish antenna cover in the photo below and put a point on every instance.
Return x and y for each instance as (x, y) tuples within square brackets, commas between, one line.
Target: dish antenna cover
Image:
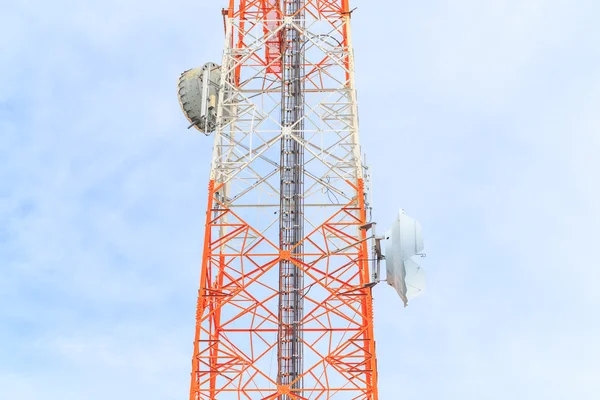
[(404, 240), (198, 91)]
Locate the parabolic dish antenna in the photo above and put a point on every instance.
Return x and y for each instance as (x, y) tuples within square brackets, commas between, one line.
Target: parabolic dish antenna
[(198, 91), (403, 241)]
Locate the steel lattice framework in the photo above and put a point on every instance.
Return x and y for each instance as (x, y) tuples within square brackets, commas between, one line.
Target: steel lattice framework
[(285, 306)]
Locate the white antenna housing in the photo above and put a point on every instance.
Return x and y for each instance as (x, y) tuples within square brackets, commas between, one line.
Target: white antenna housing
[(404, 240)]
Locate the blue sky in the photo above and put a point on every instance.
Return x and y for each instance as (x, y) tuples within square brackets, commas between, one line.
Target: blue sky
[(480, 119)]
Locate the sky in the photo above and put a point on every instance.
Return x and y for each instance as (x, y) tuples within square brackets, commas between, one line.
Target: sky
[(480, 119)]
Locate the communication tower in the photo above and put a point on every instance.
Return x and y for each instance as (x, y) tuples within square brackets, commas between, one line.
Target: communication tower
[(285, 308)]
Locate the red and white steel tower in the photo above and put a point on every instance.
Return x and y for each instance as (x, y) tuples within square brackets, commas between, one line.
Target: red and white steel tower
[(285, 305)]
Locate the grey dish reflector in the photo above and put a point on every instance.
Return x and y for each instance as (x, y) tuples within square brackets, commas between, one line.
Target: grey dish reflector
[(198, 91), (404, 240)]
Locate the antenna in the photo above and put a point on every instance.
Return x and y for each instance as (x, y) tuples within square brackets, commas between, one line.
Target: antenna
[(198, 94), (403, 241), (285, 303)]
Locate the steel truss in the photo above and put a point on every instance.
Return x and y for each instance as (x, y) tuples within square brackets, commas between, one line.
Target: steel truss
[(285, 305)]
